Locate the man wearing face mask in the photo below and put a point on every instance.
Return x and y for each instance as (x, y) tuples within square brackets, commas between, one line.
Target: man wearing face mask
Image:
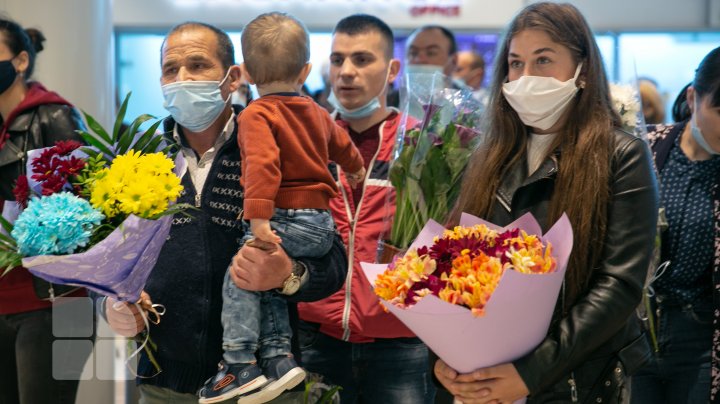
[(431, 56), (348, 338), (198, 77), (430, 49)]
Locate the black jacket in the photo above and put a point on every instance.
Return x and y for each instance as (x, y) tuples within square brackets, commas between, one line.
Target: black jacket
[(34, 128), (598, 329)]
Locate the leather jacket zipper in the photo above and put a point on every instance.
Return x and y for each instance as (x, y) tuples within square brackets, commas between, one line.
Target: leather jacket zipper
[(573, 388)]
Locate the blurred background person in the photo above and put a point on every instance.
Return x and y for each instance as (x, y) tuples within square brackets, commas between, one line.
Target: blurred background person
[(431, 46), (321, 95), (653, 104), (470, 71), (243, 95), (429, 50)]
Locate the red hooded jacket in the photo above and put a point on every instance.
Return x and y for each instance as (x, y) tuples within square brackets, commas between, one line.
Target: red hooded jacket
[(17, 294)]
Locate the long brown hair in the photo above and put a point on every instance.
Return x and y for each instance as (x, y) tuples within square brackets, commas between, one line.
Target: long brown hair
[(585, 143)]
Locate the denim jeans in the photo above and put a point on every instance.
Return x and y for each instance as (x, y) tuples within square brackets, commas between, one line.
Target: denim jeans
[(304, 232), (253, 320), (26, 361), (391, 371), (680, 371)]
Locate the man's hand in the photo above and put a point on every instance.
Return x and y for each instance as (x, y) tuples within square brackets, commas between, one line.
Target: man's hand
[(260, 266), (125, 319)]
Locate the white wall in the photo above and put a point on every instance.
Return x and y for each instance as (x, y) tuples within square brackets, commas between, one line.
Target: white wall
[(474, 14), (77, 61)]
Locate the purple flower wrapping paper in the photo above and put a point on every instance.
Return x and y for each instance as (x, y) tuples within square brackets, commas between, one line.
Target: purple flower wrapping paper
[(116, 267), (119, 265)]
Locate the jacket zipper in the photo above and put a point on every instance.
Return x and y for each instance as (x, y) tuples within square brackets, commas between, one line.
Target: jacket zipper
[(351, 238), (571, 380)]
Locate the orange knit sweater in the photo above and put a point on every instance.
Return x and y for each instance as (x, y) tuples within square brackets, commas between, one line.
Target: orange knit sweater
[(286, 142)]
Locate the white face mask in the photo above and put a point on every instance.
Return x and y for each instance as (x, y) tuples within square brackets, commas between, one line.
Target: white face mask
[(698, 135), (540, 101)]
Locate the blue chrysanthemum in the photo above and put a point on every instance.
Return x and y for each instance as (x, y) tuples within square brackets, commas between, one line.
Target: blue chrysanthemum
[(56, 224)]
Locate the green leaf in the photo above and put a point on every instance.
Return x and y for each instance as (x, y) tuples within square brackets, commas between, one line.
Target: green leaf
[(173, 209), (120, 118), (328, 395), (170, 150), (127, 137), (143, 140), (306, 393), (90, 152), (9, 260), (6, 225), (153, 145), (7, 242), (457, 160), (91, 140), (97, 128)]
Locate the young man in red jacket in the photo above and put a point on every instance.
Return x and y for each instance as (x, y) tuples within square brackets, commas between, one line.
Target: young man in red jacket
[(347, 337)]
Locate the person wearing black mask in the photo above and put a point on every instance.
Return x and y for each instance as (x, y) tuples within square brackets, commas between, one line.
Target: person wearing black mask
[(31, 117)]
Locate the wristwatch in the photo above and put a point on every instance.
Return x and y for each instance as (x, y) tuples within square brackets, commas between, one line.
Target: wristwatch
[(293, 282)]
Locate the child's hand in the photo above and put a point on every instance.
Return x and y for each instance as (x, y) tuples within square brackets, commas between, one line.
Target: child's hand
[(261, 230), (356, 178)]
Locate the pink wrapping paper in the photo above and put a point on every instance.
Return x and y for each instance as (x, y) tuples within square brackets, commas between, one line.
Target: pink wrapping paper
[(517, 315)]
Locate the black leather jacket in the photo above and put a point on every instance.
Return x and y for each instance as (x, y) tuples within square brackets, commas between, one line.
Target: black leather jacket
[(596, 339), (32, 129)]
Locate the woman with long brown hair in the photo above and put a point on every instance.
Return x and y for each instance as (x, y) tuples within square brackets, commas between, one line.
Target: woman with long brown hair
[(554, 146)]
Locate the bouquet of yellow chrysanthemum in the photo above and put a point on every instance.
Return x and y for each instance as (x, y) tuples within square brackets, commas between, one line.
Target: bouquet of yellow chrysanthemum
[(478, 295), (95, 216)]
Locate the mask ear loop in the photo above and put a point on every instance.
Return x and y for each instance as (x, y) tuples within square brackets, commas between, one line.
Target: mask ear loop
[(223, 81), (576, 77)]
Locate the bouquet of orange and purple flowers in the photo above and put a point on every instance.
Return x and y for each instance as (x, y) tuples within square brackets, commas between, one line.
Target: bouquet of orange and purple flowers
[(480, 294), (463, 266)]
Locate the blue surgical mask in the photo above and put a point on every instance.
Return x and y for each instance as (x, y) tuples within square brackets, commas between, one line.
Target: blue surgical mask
[(357, 113), (698, 136), (459, 82), (360, 112), (423, 69), (195, 105)]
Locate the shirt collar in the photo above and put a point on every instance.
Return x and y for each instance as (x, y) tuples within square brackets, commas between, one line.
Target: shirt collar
[(224, 135)]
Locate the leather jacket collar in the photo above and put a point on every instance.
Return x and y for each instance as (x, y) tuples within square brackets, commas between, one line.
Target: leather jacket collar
[(517, 178)]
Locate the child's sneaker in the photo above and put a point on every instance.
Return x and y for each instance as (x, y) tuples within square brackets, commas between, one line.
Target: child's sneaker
[(231, 381), (283, 374)]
